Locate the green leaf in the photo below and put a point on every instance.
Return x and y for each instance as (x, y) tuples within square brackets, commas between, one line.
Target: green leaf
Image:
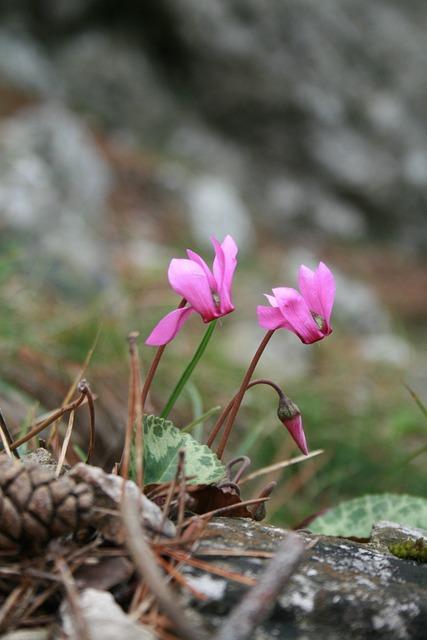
[(356, 517), (162, 441)]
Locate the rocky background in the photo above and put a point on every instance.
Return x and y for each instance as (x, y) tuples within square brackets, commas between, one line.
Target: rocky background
[(130, 131)]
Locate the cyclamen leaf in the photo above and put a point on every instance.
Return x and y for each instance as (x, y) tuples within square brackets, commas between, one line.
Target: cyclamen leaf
[(356, 517), (162, 441)]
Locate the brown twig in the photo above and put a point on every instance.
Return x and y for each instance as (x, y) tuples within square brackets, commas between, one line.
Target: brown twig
[(83, 387), (130, 424), (52, 440), (147, 567), (186, 558), (79, 622), (65, 444), (6, 437), (257, 604), (138, 411), (222, 510), (182, 494), (45, 423), (176, 575)]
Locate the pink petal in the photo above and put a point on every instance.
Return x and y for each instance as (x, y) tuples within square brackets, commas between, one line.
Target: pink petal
[(196, 258), (270, 318), (224, 266), (318, 290), (297, 315), (168, 327), (272, 300), (189, 280), (296, 430)]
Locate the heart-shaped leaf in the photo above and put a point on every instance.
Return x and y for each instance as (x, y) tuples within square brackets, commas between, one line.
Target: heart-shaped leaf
[(162, 441), (356, 517)]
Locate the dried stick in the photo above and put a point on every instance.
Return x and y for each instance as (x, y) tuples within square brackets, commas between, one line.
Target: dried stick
[(79, 623), (139, 417), (260, 600), (84, 388), (45, 423), (52, 440), (147, 566), (65, 444), (6, 437), (125, 458)]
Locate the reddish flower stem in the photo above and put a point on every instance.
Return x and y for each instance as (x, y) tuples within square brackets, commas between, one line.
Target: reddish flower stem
[(227, 409), (153, 368), (239, 396)]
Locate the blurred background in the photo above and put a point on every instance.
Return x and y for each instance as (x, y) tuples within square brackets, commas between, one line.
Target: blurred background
[(130, 131)]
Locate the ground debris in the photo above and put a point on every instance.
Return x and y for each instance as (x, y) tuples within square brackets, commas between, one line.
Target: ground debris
[(104, 619)]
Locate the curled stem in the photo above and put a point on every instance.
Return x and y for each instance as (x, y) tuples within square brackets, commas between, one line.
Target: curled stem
[(227, 409)]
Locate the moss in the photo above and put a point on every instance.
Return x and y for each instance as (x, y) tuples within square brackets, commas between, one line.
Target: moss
[(410, 550)]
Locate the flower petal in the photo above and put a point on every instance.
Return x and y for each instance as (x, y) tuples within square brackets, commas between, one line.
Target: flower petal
[(272, 300), (297, 315), (296, 430), (189, 280), (270, 318), (167, 328), (196, 258), (224, 266), (318, 290)]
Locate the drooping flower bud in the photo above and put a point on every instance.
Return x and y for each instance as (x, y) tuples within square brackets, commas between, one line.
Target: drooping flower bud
[(290, 416)]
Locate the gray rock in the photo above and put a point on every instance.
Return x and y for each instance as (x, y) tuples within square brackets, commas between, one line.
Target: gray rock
[(111, 79), (343, 589), (322, 90), (216, 208), (387, 348), (53, 185), (25, 65), (104, 619)]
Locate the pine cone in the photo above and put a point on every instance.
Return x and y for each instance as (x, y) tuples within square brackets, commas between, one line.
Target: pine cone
[(35, 506)]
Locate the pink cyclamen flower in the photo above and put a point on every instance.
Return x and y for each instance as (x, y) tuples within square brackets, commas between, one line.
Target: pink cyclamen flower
[(207, 292), (290, 416), (307, 314), (296, 430)]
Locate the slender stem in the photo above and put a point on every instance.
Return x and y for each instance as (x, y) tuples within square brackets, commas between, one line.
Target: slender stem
[(188, 370), (153, 368), (227, 409), (239, 396)]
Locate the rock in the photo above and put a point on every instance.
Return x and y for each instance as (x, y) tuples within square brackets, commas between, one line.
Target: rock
[(317, 91), (54, 186), (387, 348), (300, 203), (111, 79), (103, 618), (343, 589), (386, 533), (26, 66), (28, 634), (216, 208)]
